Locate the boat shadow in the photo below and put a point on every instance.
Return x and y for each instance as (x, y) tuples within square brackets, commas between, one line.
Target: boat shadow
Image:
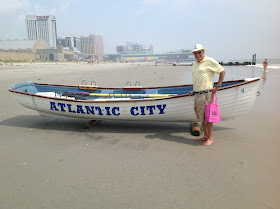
[(167, 131)]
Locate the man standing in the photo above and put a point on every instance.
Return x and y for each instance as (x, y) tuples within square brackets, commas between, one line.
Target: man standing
[(203, 73)]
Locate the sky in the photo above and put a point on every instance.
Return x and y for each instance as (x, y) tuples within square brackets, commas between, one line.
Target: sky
[(229, 29)]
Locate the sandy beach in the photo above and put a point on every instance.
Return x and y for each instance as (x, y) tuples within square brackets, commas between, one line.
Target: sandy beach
[(56, 163)]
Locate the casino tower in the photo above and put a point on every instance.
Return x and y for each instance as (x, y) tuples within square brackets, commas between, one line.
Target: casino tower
[(41, 28)]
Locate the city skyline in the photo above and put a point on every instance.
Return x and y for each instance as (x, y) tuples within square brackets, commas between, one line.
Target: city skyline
[(229, 30)]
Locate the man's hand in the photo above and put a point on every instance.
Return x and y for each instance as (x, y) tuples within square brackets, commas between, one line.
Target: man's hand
[(215, 89)]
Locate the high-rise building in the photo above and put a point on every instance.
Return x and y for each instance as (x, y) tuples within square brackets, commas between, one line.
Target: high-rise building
[(74, 41), (41, 28), (88, 45), (98, 45)]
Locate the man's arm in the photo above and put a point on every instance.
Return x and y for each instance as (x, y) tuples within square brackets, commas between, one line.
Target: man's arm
[(220, 81)]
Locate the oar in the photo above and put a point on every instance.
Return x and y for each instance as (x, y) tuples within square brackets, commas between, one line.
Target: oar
[(131, 95)]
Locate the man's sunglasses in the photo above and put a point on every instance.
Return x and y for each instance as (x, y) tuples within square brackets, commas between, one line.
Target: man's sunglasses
[(198, 52)]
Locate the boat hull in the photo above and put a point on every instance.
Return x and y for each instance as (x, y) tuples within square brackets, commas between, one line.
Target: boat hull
[(233, 100)]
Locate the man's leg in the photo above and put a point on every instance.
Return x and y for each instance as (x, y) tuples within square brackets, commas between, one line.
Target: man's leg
[(205, 131), (209, 139), (200, 100)]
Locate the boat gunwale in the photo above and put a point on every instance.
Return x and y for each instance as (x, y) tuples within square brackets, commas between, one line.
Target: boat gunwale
[(243, 82)]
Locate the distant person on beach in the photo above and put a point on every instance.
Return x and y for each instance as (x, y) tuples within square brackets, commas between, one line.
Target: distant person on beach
[(265, 63), (203, 73)]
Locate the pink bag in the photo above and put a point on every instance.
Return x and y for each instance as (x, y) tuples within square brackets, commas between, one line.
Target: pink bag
[(212, 111)]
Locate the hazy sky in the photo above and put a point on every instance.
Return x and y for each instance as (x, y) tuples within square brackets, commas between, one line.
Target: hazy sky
[(229, 29)]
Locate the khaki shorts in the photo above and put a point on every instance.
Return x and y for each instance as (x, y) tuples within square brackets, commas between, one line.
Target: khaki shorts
[(200, 100)]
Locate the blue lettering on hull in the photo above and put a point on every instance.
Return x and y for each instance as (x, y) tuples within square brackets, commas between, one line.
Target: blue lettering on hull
[(111, 111)]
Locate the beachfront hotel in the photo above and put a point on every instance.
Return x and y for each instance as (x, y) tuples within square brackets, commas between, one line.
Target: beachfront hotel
[(88, 44), (98, 45), (41, 28)]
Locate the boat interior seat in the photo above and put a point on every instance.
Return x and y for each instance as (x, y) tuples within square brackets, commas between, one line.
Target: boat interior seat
[(151, 91), (107, 91)]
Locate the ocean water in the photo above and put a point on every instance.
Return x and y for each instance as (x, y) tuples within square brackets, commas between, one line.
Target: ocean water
[(250, 71), (272, 63), (241, 72)]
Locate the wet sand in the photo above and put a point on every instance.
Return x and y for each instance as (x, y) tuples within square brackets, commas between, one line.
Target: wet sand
[(56, 163)]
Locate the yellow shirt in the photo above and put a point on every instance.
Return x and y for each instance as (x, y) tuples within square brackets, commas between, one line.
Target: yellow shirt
[(203, 73)]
